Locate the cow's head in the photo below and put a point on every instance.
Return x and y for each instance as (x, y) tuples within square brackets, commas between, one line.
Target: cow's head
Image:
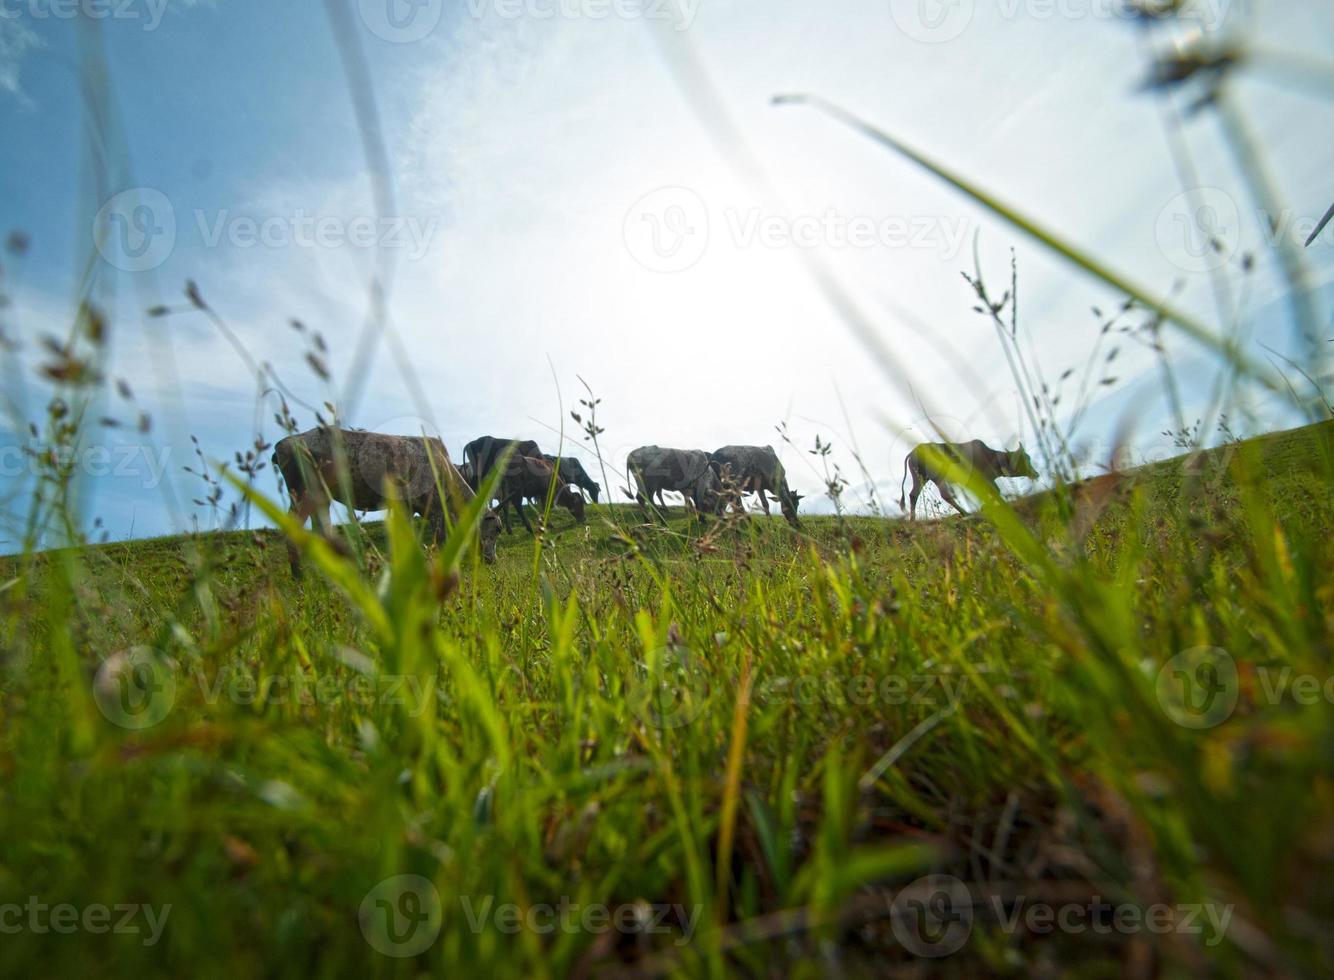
[(709, 492), (594, 488), (489, 534), (1018, 464), (571, 500), (788, 501)]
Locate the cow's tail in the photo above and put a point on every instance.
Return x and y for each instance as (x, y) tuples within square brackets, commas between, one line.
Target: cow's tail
[(626, 489), (903, 496)]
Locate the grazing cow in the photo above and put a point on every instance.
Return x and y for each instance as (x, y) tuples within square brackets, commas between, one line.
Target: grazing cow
[(685, 471), (572, 471), (756, 469), (469, 475), (529, 477), (484, 452), (364, 470), (975, 456)]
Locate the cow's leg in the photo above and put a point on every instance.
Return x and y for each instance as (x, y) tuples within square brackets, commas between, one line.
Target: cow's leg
[(660, 506), (303, 508), (948, 496), (915, 492), (762, 489), (323, 520), (523, 516)]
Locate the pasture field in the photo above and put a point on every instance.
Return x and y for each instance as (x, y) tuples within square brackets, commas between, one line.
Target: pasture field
[(1092, 734)]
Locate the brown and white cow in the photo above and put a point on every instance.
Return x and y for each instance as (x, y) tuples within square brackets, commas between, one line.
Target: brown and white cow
[(364, 471), (974, 457)]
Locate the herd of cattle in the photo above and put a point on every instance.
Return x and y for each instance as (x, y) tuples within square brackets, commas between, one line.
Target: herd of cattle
[(361, 470)]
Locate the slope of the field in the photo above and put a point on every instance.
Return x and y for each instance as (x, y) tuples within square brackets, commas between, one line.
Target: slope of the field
[(752, 745)]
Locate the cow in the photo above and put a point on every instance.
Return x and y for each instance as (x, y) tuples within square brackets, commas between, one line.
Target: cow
[(756, 469), (532, 477), (484, 452), (975, 457), (572, 471), (363, 471), (469, 475), (685, 471)]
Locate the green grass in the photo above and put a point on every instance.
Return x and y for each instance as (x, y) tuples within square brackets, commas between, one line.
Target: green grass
[(769, 735)]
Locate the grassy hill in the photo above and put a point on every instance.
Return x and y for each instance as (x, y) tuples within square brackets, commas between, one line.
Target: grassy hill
[(1093, 733)]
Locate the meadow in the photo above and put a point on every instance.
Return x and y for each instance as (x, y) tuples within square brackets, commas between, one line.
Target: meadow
[(1087, 732)]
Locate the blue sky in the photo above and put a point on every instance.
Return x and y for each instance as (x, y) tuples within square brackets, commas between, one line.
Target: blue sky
[(561, 209)]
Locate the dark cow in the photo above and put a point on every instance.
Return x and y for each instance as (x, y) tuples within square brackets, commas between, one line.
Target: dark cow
[(975, 457), (469, 475), (364, 470), (685, 471), (483, 453), (756, 469), (572, 471), (529, 477)]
